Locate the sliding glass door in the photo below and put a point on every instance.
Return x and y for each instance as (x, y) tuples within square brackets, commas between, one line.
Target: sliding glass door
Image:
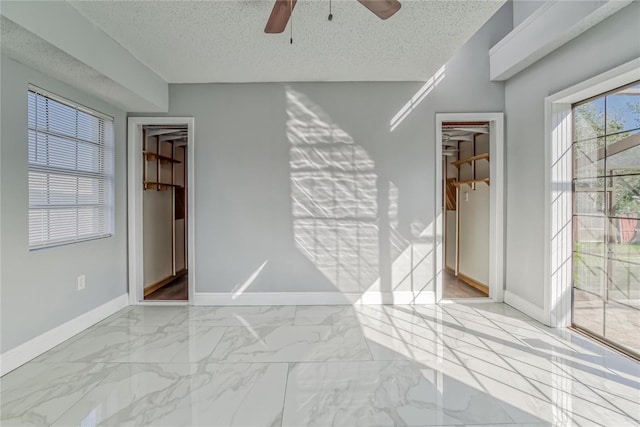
[(606, 215)]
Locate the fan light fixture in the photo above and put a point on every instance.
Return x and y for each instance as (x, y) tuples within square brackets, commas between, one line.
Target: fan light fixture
[(283, 9)]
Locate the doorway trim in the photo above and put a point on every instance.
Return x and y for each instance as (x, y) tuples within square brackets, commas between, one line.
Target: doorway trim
[(558, 201), (135, 222), (496, 202)]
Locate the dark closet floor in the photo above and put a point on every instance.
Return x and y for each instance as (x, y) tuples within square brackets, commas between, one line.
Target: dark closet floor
[(176, 290)]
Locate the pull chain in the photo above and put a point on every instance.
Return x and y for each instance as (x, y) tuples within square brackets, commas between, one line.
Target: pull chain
[(330, 14), (291, 21)]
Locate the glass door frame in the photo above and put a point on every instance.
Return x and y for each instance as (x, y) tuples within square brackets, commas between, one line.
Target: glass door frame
[(608, 215)]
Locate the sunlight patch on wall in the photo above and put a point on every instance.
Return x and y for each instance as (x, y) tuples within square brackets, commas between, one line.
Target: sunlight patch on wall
[(334, 197), (416, 99), (240, 288), (337, 202), (412, 265)]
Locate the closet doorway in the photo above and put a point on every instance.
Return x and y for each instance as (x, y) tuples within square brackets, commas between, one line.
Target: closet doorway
[(469, 206), (466, 166), (164, 207), (160, 210)]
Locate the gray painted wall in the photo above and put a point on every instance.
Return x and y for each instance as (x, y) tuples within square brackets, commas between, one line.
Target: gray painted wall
[(607, 45), (308, 177), (522, 9), (39, 287)]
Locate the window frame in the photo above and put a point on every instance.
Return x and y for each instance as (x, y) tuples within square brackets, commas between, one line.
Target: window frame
[(105, 175), (558, 171)]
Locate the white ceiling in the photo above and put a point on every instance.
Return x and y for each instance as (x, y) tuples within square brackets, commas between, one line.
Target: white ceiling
[(223, 41)]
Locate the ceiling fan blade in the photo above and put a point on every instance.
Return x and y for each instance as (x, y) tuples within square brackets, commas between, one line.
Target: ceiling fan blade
[(279, 17), (383, 9)]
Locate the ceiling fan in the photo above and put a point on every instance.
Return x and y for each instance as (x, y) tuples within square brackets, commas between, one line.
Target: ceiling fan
[(282, 10)]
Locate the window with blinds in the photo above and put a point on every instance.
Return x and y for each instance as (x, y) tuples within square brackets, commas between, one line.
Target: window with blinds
[(70, 171)]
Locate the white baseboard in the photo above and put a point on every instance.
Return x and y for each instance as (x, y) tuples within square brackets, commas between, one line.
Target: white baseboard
[(11, 359), (524, 306), (314, 298)]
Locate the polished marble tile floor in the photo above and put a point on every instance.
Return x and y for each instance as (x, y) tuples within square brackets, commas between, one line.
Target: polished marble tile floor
[(437, 365)]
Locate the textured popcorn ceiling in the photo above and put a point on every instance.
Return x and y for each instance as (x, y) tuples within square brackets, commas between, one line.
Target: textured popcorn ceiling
[(223, 41)]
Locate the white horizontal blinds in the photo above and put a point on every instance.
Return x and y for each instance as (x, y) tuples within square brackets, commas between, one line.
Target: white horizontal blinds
[(70, 171)]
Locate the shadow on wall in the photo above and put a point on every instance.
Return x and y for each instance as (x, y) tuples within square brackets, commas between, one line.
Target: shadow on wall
[(345, 217)]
